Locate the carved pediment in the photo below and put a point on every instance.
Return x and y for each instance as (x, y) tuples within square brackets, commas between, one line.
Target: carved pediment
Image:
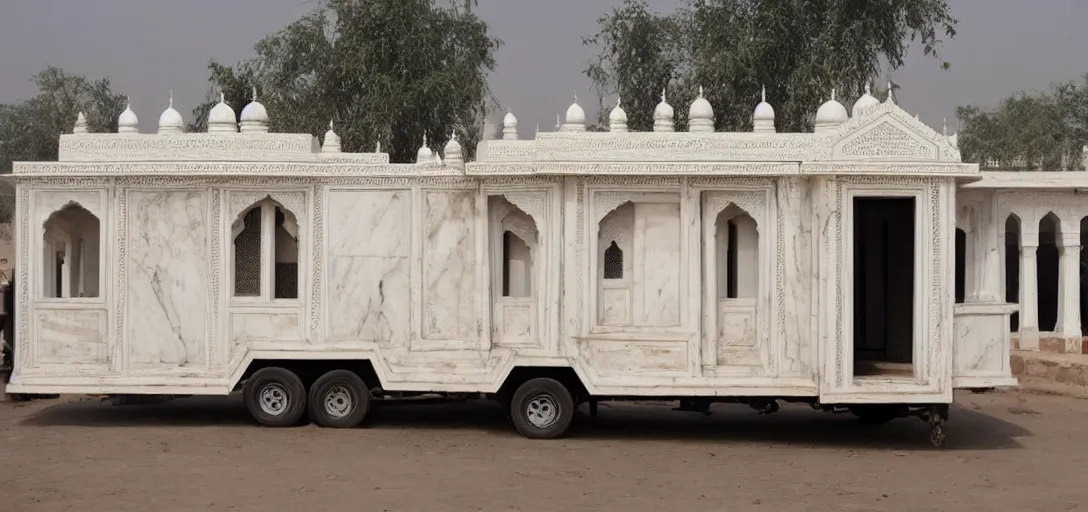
[(887, 133)]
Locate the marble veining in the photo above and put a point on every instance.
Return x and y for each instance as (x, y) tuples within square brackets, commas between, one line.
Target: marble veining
[(369, 266), (167, 277), (449, 265)]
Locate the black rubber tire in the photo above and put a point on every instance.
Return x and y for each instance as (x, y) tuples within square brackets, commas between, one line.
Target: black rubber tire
[(360, 399), (557, 394), (289, 384)]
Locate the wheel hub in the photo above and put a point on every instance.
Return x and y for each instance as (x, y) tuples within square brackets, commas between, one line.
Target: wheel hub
[(542, 411), (338, 402), (274, 399)]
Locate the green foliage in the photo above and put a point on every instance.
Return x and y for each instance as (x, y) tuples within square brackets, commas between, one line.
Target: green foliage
[(388, 71), (1041, 131), (798, 49), (30, 129)]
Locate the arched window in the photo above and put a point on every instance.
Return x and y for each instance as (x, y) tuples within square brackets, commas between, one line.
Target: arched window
[(517, 275), (265, 252), (613, 261), (71, 241), (738, 254)]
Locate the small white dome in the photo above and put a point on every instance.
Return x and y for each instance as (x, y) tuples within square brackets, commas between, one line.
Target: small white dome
[(700, 114), (170, 121), (575, 114), (509, 126), (254, 112), (831, 114), (81, 123), (128, 122), (453, 146), (424, 155), (763, 116), (764, 111), (221, 118), (332, 141), (254, 118), (865, 101), (617, 119), (664, 115), (701, 108)]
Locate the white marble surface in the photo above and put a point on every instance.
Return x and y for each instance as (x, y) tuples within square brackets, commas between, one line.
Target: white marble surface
[(72, 337), (369, 292), (450, 294), (167, 276), (660, 263)]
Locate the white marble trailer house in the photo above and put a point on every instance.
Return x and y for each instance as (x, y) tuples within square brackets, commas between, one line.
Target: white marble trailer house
[(573, 267)]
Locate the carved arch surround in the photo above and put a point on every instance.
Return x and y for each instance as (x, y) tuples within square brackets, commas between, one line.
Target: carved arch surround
[(242, 200), (753, 202)]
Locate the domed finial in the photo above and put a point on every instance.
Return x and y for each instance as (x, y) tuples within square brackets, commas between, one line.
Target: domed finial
[(617, 119), (170, 121), (128, 122), (763, 116), (424, 155), (81, 124), (332, 141), (700, 115), (221, 118), (664, 116)]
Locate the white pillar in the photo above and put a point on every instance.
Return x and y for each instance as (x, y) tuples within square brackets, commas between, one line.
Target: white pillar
[(990, 251), (1069, 286), (1029, 290)]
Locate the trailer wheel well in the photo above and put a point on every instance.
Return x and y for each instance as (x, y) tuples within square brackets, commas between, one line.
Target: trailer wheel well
[(310, 369), (522, 374)]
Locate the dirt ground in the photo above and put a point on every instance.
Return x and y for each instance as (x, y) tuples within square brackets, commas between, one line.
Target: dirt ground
[(1006, 451)]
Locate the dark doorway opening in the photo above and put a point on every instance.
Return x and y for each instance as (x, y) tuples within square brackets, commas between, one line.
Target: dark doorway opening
[(883, 286)]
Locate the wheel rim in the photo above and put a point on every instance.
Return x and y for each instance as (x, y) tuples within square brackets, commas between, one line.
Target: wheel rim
[(338, 402), (542, 411), (274, 399)]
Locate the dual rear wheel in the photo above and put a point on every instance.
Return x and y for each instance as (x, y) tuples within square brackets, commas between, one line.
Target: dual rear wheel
[(276, 397)]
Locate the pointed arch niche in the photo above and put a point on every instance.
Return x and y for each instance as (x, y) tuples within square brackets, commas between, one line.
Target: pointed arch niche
[(735, 265), (638, 267), (71, 242), (515, 255), (264, 252)]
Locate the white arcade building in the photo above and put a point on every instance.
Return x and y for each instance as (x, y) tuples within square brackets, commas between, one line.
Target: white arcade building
[(701, 266)]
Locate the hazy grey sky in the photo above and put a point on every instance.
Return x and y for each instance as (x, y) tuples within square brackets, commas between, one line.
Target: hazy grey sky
[(148, 47)]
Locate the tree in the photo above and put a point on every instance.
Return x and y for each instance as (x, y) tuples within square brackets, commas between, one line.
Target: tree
[(798, 49), (1040, 131), (388, 71), (29, 129)]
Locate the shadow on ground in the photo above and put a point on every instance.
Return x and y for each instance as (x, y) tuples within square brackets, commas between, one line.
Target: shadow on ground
[(793, 425)]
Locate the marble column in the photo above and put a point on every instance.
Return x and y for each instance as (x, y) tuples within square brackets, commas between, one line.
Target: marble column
[(989, 252), (1029, 291), (1069, 287)]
